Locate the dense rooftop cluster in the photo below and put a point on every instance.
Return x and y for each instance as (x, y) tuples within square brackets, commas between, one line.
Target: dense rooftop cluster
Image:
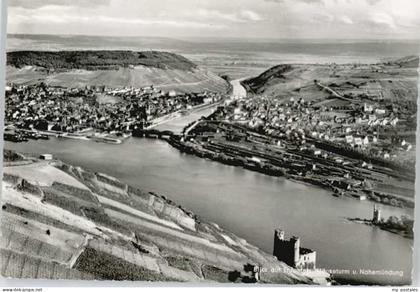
[(367, 125), (99, 108)]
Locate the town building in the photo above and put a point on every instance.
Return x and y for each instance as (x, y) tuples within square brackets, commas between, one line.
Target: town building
[(46, 156)]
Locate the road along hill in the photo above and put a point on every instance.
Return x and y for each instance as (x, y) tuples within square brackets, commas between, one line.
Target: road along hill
[(63, 222), (114, 69)]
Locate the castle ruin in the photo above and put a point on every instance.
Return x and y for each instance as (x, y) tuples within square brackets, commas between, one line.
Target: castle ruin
[(291, 253)]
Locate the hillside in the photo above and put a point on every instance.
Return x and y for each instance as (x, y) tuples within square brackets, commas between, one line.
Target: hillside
[(64, 222), (114, 69), (408, 62), (393, 80), (272, 76)]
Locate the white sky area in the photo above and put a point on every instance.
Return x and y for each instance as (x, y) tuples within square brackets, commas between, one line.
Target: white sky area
[(322, 19)]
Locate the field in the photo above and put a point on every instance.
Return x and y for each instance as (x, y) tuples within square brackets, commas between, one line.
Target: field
[(195, 80), (16, 265), (43, 174), (31, 249)]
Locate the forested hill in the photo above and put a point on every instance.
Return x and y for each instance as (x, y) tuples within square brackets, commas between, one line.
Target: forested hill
[(272, 76), (98, 60)]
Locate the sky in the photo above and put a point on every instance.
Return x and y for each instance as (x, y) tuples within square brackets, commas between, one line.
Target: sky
[(291, 19)]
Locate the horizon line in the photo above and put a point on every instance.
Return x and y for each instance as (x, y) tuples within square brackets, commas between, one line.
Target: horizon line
[(217, 37)]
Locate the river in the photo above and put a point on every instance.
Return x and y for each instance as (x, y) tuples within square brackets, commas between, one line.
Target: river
[(237, 89), (247, 203), (177, 124)]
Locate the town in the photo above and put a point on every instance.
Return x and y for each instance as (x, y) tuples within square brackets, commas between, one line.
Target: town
[(358, 147), (107, 114)]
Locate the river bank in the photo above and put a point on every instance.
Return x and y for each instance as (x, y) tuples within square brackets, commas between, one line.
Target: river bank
[(404, 231), (272, 167)]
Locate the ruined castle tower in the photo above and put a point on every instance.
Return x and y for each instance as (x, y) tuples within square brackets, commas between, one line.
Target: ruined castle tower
[(376, 214), (295, 241), (286, 250), (291, 253)]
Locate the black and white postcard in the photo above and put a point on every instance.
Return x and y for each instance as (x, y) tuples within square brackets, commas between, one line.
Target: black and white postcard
[(243, 141)]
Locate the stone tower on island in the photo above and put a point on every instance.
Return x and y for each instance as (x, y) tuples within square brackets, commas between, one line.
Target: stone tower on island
[(376, 214)]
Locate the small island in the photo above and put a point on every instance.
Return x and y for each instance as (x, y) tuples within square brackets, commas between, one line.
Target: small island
[(402, 225)]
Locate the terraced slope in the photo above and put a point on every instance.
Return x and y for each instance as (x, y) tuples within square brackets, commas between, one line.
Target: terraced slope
[(60, 221)]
